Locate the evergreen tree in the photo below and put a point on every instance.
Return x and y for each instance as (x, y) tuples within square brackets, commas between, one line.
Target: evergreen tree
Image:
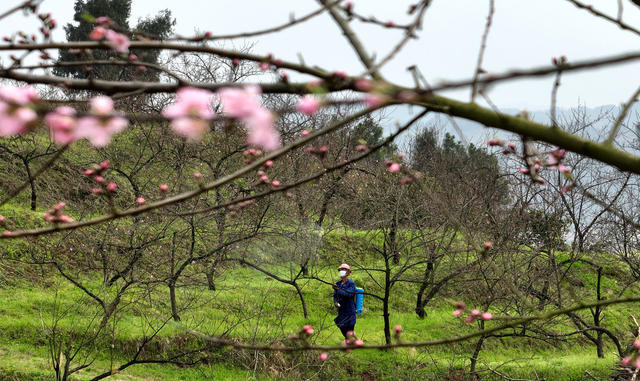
[(160, 26)]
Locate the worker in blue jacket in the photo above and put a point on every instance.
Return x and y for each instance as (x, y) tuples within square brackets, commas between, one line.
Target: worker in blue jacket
[(344, 298)]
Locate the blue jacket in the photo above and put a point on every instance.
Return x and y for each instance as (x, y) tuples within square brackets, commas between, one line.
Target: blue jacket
[(346, 296)]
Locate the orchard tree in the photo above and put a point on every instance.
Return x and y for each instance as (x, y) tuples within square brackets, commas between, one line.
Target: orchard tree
[(107, 64)]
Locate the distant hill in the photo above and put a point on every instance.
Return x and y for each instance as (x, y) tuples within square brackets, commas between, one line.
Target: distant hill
[(600, 119)]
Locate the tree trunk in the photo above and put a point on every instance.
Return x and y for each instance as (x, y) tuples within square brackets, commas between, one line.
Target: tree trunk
[(393, 232), (301, 296), (385, 301), (32, 184), (474, 358), (420, 303), (596, 317), (210, 282), (174, 304)]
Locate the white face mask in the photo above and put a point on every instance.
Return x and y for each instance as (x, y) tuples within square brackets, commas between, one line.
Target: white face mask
[(342, 272)]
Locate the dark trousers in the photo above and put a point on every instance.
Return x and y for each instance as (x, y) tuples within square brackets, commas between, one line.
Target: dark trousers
[(344, 330)]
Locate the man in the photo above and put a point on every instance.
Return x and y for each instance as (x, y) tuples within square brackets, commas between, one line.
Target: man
[(344, 298)]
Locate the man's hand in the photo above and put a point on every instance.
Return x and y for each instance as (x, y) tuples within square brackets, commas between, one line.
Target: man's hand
[(335, 287)]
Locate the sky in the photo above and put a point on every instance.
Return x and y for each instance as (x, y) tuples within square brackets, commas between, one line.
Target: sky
[(524, 34)]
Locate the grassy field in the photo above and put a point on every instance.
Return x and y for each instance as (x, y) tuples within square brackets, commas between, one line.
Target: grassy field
[(264, 310)]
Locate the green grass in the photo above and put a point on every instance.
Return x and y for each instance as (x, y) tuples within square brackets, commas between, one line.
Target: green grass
[(272, 310)]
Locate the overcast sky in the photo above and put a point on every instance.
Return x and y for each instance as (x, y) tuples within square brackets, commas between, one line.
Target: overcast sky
[(525, 33)]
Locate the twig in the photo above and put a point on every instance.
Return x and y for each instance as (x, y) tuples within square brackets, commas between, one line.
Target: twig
[(620, 119), (353, 39), (597, 13), (554, 99), (483, 47)]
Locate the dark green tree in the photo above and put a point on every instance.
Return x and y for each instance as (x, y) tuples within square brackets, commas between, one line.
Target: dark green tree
[(159, 26), (469, 174), (369, 132)]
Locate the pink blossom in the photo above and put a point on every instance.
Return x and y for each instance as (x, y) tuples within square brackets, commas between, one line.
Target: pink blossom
[(264, 178), (101, 105), (62, 123), (559, 153), (397, 328), (495, 142), (457, 313), (111, 187), (308, 105), (192, 129), (140, 201), (240, 103), (625, 360), (65, 219), (475, 313), (275, 183), (268, 163), (361, 148), (261, 130), (16, 121), (99, 179), (350, 334), (523, 170), (264, 66), (486, 316), (98, 131), (323, 356), (98, 33), (394, 167), (164, 187), (469, 319), (488, 245), (96, 190), (118, 42), (18, 95), (133, 57), (197, 176), (308, 330), (88, 172), (190, 102), (105, 164), (358, 343), (244, 104), (304, 133), (564, 169), (636, 363), (636, 344)]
